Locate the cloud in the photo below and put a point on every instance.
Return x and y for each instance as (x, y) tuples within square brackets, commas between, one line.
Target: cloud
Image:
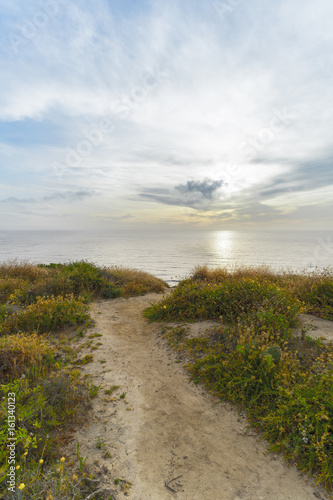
[(183, 97), (195, 194), (205, 188), (70, 196), (12, 199), (116, 218), (66, 196), (303, 175)]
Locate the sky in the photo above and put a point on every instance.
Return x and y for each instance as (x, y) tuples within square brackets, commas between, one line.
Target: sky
[(178, 114)]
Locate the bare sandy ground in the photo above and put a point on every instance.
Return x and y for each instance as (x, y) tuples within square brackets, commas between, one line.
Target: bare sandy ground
[(166, 436), (318, 327)]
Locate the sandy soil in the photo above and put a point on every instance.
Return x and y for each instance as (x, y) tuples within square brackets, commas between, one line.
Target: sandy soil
[(166, 427), (318, 327)]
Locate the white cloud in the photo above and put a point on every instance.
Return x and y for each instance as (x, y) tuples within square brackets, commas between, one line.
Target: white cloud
[(218, 86)]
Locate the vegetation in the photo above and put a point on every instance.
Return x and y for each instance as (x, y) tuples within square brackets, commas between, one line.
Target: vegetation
[(23, 283), (47, 314), (254, 358), (42, 309)]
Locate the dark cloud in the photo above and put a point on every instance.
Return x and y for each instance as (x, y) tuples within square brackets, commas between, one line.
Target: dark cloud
[(206, 188), (194, 194)]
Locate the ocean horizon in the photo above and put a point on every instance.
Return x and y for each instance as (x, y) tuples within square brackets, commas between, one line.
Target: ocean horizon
[(171, 254)]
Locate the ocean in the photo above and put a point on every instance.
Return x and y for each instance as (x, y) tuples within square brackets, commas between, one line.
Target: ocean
[(172, 255)]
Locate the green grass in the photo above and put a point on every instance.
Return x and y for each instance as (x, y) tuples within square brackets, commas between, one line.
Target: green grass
[(253, 359)]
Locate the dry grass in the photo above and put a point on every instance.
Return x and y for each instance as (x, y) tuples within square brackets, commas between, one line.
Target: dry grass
[(314, 288), (23, 270), (19, 352), (22, 282), (133, 282)]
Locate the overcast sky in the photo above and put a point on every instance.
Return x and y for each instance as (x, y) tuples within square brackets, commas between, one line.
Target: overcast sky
[(178, 113)]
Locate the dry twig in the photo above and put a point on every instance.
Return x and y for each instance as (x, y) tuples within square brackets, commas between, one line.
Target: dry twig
[(167, 484)]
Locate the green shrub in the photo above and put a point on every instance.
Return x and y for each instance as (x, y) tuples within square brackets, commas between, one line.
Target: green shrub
[(263, 304), (48, 315), (313, 288), (321, 299), (9, 285)]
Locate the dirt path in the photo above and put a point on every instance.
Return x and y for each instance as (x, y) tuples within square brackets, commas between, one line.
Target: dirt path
[(166, 427)]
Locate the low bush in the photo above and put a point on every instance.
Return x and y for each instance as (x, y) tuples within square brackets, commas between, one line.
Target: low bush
[(23, 283), (9, 285), (243, 299), (48, 315), (21, 353), (313, 288), (320, 299), (56, 481), (132, 282)]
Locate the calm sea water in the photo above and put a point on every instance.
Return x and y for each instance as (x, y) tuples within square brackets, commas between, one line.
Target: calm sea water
[(171, 255)]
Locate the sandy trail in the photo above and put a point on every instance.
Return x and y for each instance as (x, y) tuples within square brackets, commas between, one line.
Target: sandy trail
[(167, 427)]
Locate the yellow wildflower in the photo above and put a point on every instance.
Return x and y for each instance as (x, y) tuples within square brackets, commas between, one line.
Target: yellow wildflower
[(22, 486)]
